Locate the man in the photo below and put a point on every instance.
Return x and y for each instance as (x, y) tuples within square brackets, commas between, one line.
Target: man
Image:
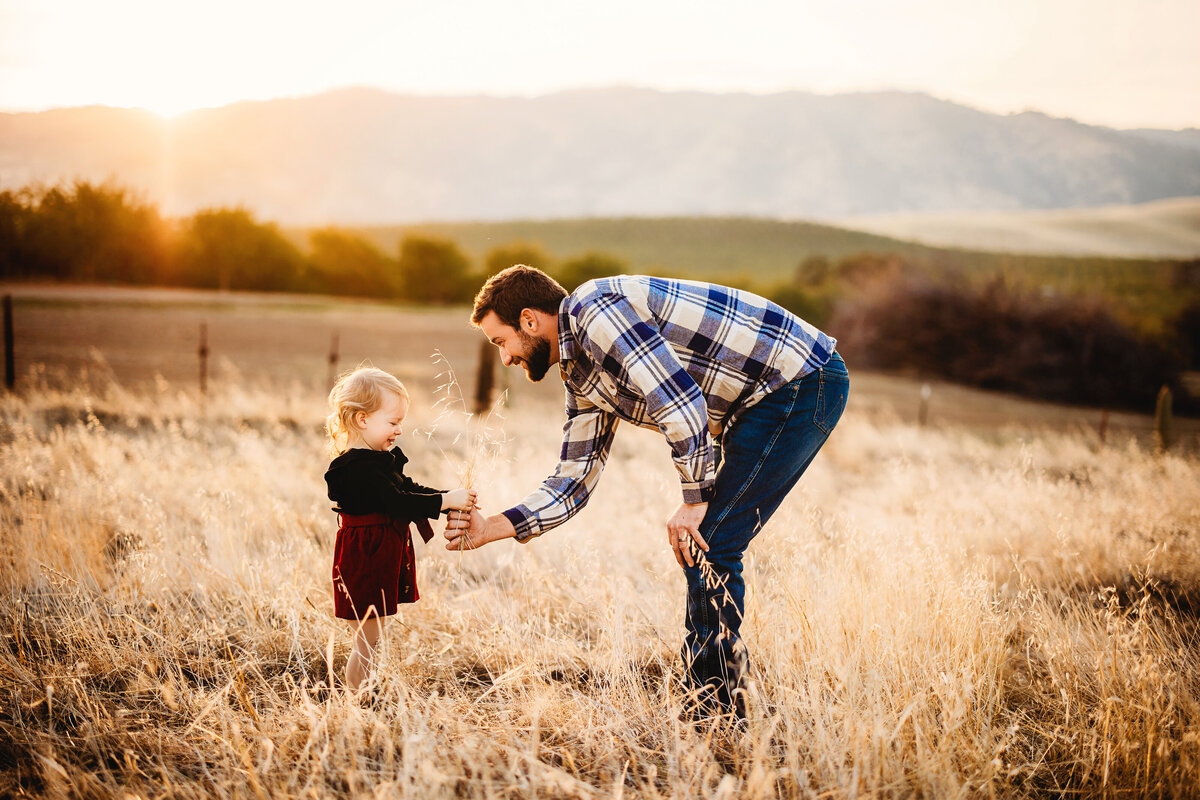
[(744, 392)]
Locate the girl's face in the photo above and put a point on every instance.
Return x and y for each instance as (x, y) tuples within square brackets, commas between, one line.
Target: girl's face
[(379, 429)]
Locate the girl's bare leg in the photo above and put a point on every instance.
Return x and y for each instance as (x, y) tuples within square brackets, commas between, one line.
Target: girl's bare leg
[(366, 634)]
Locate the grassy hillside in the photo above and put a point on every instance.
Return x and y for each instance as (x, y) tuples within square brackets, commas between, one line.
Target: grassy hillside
[(1162, 229), (763, 252), (699, 246)]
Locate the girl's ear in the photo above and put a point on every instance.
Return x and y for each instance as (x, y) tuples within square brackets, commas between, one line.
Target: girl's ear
[(359, 419)]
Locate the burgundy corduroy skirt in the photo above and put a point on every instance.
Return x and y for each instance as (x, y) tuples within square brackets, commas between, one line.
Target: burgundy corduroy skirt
[(373, 566)]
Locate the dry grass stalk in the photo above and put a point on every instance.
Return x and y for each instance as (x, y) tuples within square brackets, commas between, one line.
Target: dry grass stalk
[(478, 438)]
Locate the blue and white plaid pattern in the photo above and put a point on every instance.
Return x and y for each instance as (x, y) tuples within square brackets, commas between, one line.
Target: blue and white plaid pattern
[(682, 357)]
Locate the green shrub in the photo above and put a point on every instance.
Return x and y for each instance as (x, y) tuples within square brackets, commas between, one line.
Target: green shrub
[(84, 232), (575, 271), (227, 248), (531, 254), (1059, 348), (434, 271), (344, 264)]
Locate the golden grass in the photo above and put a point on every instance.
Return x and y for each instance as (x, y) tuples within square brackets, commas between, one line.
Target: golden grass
[(933, 612)]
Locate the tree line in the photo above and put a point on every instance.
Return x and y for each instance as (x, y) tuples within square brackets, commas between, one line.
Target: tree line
[(105, 234), (887, 310)]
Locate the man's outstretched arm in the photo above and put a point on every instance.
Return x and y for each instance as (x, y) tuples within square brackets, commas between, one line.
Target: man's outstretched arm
[(467, 530)]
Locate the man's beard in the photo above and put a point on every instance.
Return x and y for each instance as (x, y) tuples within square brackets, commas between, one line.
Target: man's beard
[(537, 356)]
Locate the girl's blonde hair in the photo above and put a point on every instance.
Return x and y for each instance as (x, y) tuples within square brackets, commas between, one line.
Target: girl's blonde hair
[(360, 390)]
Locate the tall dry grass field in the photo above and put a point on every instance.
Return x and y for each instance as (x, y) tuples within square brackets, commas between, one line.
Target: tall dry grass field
[(934, 612)]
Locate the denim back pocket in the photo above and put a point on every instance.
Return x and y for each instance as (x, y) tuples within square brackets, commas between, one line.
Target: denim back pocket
[(832, 391)]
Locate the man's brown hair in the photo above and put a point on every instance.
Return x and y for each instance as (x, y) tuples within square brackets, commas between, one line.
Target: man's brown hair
[(516, 288)]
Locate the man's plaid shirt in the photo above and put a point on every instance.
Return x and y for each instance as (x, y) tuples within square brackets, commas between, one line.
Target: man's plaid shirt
[(676, 356)]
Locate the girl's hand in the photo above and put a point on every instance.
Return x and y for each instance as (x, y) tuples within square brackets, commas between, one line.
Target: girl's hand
[(463, 499)]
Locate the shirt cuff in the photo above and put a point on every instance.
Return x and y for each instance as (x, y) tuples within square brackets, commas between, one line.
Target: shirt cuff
[(702, 492), (433, 505), (525, 525)]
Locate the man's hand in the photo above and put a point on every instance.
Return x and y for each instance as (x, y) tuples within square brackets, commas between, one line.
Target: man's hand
[(464, 529), (683, 528), (467, 530)]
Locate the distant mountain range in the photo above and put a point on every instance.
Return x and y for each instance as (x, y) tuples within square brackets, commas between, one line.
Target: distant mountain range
[(361, 156)]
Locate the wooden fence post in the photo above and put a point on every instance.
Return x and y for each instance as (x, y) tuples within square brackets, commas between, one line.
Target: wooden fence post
[(1103, 431), (1162, 418), (333, 359), (10, 371), (923, 410), (203, 358), (485, 378)]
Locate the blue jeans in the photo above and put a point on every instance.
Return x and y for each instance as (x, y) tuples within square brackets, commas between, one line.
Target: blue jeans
[(765, 453)]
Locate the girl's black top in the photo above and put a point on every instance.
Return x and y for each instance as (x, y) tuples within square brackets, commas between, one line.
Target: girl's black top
[(365, 481)]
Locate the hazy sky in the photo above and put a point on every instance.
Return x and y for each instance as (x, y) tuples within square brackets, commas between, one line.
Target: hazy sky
[(1126, 63)]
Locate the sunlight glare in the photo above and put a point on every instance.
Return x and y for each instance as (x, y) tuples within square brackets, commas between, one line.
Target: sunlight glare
[(1121, 64)]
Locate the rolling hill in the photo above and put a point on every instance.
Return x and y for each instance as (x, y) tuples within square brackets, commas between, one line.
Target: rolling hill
[(1161, 229)]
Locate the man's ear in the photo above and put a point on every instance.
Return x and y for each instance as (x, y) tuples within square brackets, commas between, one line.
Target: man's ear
[(529, 321)]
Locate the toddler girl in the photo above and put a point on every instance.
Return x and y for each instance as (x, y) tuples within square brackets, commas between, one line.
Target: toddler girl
[(373, 564)]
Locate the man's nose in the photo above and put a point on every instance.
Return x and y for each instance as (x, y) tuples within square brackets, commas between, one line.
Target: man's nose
[(505, 358)]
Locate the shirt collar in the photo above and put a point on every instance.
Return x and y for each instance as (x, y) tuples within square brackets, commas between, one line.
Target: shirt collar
[(567, 346), (395, 455)]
